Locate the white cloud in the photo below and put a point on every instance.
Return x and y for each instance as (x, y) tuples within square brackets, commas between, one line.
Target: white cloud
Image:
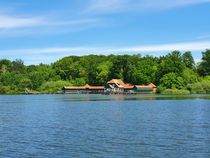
[(192, 46), (104, 6), (113, 6), (166, 4), (10, 22), (46, 55), (22, 26), (14, 24)]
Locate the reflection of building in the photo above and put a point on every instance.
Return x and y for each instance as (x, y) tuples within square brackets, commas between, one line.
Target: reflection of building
[(112, 86)]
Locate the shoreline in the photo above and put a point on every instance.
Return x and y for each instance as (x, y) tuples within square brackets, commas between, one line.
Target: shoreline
[(125, 94), (107, 98)]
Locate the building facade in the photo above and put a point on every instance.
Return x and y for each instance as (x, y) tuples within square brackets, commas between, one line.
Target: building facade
[(114, 86), (83, 89)]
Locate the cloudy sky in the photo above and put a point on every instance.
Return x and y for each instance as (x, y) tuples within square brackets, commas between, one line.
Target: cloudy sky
[(47, 30)]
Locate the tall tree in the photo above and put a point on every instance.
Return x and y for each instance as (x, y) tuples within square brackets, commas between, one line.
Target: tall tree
[(204, 66), (188, 60), (5, 65), (103, 72), (118, 67), (144, 70), (18, 66), (171, 63), (172, 80)]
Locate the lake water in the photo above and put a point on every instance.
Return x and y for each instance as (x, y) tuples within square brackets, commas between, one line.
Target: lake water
[(104, 126)]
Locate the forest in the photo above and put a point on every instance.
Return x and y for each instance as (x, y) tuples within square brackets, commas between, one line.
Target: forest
[(174, 73)]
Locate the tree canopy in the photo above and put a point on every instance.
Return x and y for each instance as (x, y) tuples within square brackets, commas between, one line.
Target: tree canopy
[(172, 71)]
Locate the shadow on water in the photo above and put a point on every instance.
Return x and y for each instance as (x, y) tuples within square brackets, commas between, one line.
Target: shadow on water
[(18, 99), (70, 98)]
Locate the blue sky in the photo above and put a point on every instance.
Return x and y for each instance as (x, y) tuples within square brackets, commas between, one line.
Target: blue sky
[(47, 30)]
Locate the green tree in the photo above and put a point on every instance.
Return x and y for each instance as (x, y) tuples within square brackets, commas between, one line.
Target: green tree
[(171, 63), (25, 83), (204, 67), (18, 66), (144, 71), (190, 76), (172, 81), (102, 73), (78, 82), (117, 69), (40, 74), (53, 86), (5, 65), (188, 60)]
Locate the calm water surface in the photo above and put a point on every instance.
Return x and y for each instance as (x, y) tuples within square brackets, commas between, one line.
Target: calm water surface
[(104, 126)]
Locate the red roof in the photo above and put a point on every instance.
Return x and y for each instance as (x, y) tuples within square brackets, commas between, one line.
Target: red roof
[(152, 85), (96, 87), (118, 82), (87, 86), (142, 86), (128, 86), (74, 87)]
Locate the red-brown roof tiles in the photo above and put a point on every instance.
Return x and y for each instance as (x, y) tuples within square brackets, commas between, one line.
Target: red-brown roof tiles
[(84, 87), (152, 85), (116, 81)]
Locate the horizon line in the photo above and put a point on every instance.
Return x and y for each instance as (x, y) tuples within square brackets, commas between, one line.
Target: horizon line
[(52, 54)]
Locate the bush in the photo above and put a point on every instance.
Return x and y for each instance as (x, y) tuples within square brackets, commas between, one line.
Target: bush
[(53, 86), (78, 82), (172, 81), (206, 86), (8, 90), (160, 89), (202, 87), (176, 91)]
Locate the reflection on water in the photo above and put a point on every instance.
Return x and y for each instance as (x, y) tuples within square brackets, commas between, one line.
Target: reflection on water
[(105, 126), (95, 97), (132, 97)]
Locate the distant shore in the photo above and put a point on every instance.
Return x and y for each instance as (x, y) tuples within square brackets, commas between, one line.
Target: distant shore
[(174, 73)]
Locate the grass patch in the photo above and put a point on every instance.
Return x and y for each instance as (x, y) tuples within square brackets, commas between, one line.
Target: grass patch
[(176, 92)]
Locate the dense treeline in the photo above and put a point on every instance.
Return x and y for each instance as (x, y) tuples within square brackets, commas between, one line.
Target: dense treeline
[(173, 73)]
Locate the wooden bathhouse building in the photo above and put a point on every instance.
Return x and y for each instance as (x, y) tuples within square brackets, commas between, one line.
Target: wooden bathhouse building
[(118, 86), (114, 86), (83, 89)]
